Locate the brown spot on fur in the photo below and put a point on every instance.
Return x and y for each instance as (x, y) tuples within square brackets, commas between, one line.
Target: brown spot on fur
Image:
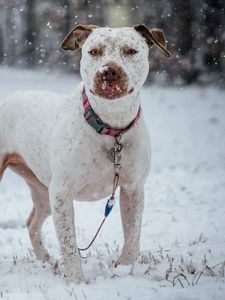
[(17, 164)]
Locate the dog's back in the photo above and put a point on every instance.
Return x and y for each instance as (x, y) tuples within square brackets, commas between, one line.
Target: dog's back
[(26, 117)]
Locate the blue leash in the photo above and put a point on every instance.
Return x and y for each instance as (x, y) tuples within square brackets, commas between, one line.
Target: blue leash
[(108, 208)]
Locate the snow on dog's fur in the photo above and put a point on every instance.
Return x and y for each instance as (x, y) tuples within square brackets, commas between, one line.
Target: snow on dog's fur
[(45, 139)]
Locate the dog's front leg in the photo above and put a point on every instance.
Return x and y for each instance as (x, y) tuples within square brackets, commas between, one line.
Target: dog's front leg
[(63, 218), (131, 206)]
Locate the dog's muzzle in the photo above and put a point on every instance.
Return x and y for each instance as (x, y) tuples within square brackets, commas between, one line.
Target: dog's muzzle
[(111, 82)]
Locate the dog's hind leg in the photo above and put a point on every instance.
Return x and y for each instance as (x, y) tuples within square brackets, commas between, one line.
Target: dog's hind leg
[(41, 209), (39, 213)]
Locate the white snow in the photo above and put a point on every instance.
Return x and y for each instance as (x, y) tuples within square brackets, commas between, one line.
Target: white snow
[(184, 220)]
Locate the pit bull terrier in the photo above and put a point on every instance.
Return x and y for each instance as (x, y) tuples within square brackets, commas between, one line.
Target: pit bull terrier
[(60, 145)]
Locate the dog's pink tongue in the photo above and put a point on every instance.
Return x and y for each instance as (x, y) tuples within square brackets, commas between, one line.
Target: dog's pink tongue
[(113, 89), (110, 88)]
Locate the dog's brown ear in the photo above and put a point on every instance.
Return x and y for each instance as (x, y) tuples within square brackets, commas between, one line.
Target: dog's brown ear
[(75, 39), (154, 37)]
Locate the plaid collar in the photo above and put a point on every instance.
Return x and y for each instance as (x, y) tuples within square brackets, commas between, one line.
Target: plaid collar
[(102, 128)]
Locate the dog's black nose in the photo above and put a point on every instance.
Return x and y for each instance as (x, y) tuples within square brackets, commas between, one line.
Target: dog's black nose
[(110, 73)]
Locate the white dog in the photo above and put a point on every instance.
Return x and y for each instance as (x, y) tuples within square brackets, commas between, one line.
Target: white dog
[(64, 146)]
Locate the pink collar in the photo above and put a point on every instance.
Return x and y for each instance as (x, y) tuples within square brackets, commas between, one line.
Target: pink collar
[(102, 128)]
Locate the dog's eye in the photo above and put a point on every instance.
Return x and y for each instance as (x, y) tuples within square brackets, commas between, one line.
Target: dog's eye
[(130, 51), (95, 52)]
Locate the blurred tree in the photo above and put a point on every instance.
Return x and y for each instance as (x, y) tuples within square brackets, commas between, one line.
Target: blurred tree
[(214, 16), (1, 36), (10, 34), (182, 25), (83, 11), (66, 22), (1, 47), (183, 41), (97, 13), (30, 34)]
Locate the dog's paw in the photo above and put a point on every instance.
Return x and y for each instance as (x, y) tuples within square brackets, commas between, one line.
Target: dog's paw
[(126, 259)]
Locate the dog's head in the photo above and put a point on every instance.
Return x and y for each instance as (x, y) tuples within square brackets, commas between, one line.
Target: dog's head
[(114, 61)]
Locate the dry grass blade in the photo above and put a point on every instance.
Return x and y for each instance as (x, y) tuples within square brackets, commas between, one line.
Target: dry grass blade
[(169, 271), (210, 271), (199, 277), (177, 277), (180, 282), (148, 270)]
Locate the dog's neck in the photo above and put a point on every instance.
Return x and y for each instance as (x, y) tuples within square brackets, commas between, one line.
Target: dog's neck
[(116, 113)]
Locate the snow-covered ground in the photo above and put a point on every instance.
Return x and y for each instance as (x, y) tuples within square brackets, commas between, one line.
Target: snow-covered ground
[(183, 233)]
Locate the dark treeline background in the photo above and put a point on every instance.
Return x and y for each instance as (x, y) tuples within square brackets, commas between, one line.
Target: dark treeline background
[(31, 32)]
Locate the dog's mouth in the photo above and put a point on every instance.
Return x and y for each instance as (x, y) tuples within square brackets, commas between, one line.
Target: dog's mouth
[(111, 82)]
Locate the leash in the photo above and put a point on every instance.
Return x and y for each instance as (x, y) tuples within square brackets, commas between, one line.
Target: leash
[(114, 156)]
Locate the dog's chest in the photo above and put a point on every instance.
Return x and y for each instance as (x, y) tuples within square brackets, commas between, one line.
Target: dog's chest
[(96, 171), (96, 179)]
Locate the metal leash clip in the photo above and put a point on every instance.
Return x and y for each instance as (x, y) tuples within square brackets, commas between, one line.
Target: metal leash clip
[(114, 153)]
